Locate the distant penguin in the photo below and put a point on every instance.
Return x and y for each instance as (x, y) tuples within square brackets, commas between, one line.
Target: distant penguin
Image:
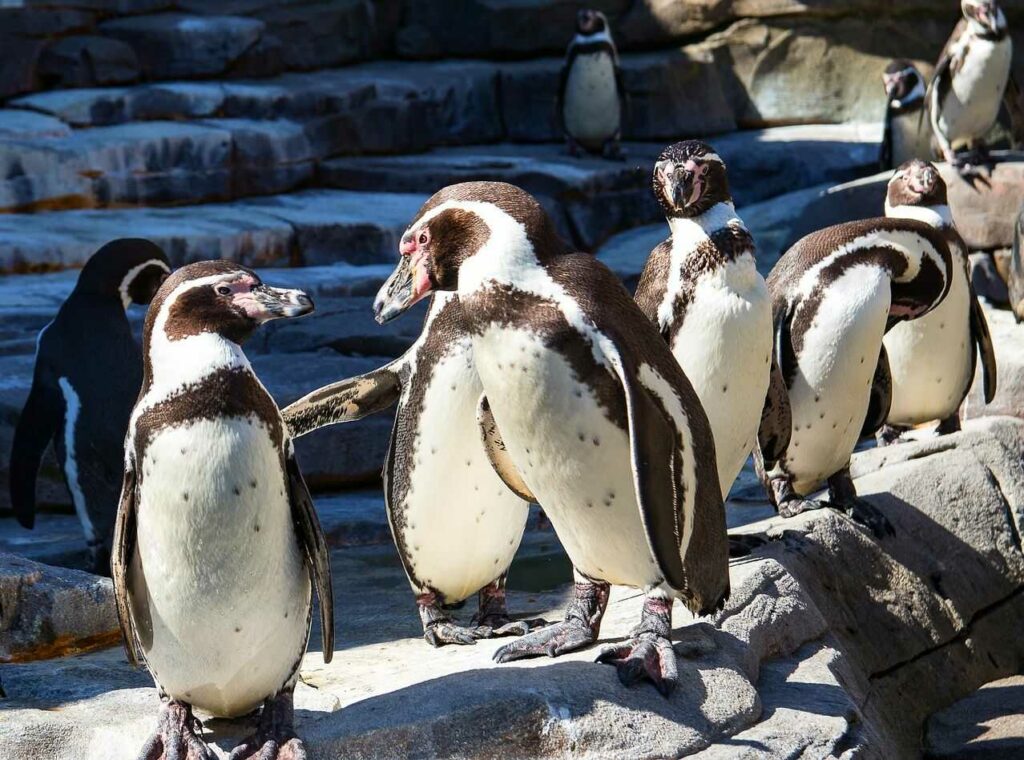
[(583, 407), (455, 523), (834, 295), (702, 289), (970, 82), (1015, 276), (591, 93), (906, 133), (217, 547), (932, 359), (87, 375)]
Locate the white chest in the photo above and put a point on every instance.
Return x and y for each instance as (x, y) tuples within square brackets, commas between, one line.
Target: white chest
[(217, 569), (576, 461), (591, 107), (836, 366), (724, 345), (972, 106)]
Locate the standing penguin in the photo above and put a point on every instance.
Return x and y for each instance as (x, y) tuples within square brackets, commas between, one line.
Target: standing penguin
[(834, 295), (590, 93), (455, 524), (584, 409), (217, 546), (905, 136), (932, 359), (87, 376), (971, 81), (702, 289)]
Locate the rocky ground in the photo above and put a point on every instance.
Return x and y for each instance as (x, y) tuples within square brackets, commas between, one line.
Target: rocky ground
[(300, 138)]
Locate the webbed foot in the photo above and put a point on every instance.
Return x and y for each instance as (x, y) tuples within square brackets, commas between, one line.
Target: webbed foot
[(493, 617), (843, 496), (275, 737), (579, 628), (176, 736), (647, 654), (888, 435)]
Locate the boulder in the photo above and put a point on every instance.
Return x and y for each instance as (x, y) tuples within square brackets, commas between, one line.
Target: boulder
[(1008, 339), (170, 45), (18, 64), (86, 61), (16, 124), (987, 725), (985, 207), (48, 612)]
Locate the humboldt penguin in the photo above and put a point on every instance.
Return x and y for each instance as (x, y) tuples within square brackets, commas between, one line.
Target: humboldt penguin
[(217, 546), (834, 295), (584, 410), (906, 135), (932, 359), (702, 289), (971, 82), (455, 524), (590, 92), (88, 372)]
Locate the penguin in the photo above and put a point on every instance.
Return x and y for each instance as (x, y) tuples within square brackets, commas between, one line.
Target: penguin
[(1015, 275), (584, 410), (217, 546), (590, 91), (455, 524), (834, 295), (701, 288), (905, 135), (932, 359), (88, 372), (971, 82)]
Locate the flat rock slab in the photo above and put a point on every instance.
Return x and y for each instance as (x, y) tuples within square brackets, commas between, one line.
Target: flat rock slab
[(987, 725)]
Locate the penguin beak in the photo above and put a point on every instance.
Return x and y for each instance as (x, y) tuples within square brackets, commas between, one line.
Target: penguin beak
[(269, 303), (407, 285)]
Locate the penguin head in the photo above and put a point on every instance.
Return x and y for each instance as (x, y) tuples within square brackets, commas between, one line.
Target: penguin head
[(590, 22), (689, 178), (129, 269), (916, 183), (985, 16), (904, 85), (452, 227), (222, 298)]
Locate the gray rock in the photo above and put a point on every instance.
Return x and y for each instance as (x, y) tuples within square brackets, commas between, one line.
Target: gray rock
[(43, 21), (987, 279), (16, 124), (987, 725), (1007, 337), (984, 210), (170, 45), (48, 612), (87, 61), (18, 64)]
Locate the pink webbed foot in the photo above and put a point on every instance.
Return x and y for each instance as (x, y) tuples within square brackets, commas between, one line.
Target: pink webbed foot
[(275, 737), (176, 736), (647, 654)]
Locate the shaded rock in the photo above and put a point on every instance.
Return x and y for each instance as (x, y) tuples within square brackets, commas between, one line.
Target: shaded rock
[(987, 280), (87, 61), (44, 22), (170, 45), (267, 156), (18, 64), (987, 724), (49, 612), (16, 124)]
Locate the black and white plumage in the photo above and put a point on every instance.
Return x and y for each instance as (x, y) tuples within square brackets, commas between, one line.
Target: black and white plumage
[(455, 524), (932, 359), (218, 548), (971, 80), (87, 375), (906, 134), (834, 295), (702, 289), (590, 93), (585, 409)]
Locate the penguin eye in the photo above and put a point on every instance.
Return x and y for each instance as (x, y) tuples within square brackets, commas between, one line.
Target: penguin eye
[(224, 290), (424, 238)]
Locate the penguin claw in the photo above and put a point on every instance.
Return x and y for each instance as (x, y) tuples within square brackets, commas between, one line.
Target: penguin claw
[(565, 636), (439, 634), (499, 624), (794, 507), (275, 737), (175, 737), (647, 656), (867, 514)]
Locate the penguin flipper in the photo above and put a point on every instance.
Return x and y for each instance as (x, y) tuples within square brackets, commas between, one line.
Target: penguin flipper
[(314, 546), (120, 558), (983, 340), (776, 428), (39, 421), (497, 454), (880, 401), (346, 400)]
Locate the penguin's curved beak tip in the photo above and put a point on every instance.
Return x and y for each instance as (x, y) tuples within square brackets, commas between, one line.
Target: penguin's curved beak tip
[(275, 303), (406, 286)]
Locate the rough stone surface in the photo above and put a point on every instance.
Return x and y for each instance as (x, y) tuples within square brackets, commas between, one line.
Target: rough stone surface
[(987, 725), (50, 612), (20, 125), (1008, 339), (87, 61), (984, 209)]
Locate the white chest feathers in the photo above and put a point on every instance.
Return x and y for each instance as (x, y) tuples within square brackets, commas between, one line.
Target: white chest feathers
[(972, 105), (591, 109), (219, 587)]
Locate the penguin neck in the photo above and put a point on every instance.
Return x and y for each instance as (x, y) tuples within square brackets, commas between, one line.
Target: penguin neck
[(595, 40), (938, 217), (175, 364), (688, 231)]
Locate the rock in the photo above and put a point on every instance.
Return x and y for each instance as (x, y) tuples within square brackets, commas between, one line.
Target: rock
[(984, 210), (987, 280), (18, 64), (170, 45), (984, 726), (87, 61), (268, 156), (48, 612), (1007, 337), (16, 124), (44, 22)]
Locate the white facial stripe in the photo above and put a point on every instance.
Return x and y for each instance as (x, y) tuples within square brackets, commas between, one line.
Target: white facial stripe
[(587, 39), (938, 217), (712, 157), (126, 281)]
